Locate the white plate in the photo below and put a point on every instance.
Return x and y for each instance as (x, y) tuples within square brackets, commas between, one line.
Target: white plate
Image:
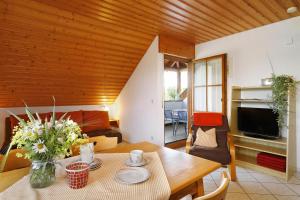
[(132, 175), (131, 164)]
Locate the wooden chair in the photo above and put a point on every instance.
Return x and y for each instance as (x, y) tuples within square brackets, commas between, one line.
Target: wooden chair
[(13, 162), (224, 153), (100, 143), (218, 194), (103, 142)]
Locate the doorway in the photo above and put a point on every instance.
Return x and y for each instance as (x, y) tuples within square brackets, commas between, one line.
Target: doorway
[(175, 99)]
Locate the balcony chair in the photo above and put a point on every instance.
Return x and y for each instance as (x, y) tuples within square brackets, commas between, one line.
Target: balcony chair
[(182, 118), (170, 118), (224, 153)]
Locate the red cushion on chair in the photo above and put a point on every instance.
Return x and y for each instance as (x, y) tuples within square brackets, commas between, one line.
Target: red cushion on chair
[(95, 120), (208, 119)]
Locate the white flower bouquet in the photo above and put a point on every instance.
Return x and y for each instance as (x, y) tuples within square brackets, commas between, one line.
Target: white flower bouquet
[(44, 140)]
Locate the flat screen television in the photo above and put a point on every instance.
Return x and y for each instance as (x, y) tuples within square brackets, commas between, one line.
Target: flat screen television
[(258, 122)]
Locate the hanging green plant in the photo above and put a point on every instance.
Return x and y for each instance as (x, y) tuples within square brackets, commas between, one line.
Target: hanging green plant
[(281, 86)]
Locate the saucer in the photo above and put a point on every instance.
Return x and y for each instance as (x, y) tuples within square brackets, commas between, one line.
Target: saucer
[(129, 163), (95, 164)]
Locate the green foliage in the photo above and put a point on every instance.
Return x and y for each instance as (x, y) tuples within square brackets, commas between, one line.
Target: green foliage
[(171, 94), (281, 86)]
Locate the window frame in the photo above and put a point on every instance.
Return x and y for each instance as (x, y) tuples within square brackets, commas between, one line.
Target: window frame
[(223, 84)]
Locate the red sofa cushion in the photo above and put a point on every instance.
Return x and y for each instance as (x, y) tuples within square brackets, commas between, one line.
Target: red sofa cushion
[(76, 116), (95, 120), (14, 122), (208, 119)]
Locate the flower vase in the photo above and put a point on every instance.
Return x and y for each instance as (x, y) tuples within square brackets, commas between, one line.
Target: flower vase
[(42, 174)]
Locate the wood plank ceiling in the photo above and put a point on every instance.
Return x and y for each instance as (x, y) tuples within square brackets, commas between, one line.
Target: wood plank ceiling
[(83, 52)]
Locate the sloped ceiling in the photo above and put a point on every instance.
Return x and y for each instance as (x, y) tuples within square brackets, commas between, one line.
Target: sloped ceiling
[(83, 51)]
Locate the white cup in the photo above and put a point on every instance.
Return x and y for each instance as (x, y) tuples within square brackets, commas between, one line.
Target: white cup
[(87, 152), (136, 156)]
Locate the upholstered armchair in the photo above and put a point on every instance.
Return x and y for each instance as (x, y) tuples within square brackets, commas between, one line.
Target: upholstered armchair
[(224, 153)]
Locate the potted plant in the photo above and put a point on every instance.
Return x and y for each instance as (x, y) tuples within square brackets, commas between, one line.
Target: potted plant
[(43, 142), (281, 86)]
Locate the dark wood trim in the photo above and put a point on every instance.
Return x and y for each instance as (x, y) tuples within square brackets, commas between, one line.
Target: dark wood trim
[(208, 58), (224, 84), (176, 144), (208, 85), (190, 94), (206, 98)]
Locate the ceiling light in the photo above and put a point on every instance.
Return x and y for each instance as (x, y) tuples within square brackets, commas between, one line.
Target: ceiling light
[(292, 9)]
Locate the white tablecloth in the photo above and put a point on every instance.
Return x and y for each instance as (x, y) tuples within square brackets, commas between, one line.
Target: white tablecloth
[(101, 185)]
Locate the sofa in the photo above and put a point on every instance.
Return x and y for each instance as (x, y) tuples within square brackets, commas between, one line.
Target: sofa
[(92, 123)]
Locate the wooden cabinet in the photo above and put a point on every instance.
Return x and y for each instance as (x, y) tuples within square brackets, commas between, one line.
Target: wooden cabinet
[(247, 147)]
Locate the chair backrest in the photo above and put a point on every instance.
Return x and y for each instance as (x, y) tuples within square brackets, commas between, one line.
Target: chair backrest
[(103, 142), (13, 162), (100, 143), (221, 131), (220, 192), (182, 115), (168, 114)]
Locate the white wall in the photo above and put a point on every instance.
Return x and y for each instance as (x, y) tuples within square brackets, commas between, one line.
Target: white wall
[(140, 103), (21, 110), (248, 57)]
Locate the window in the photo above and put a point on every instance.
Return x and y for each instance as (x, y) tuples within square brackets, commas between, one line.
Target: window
[(183, 79), (209, 84), (170, 78)]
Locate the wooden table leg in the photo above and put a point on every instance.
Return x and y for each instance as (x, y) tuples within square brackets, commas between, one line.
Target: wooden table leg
[(200, 188)]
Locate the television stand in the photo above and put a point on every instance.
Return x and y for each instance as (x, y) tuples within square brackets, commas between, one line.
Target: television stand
[(260, 136), (249, 146)]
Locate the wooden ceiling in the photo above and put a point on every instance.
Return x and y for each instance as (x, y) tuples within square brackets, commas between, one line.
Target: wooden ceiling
[(84, 51)]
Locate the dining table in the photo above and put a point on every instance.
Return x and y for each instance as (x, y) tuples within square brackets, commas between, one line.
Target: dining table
[(184, 172)]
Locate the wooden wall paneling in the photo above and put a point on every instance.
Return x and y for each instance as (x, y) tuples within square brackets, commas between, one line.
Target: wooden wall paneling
[(175, 46), (200, 18), (240, 13), (196, 8), (248, 8), (154, 12), (262, 8), (83, 52), (223, 11)]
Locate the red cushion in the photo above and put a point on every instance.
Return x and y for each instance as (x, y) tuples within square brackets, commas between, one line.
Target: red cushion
[(76, 116), (43, 116), (95, 120), (208, 119), (14, 122)]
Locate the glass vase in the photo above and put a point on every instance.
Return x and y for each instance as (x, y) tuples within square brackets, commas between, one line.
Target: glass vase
[(42, 174)]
